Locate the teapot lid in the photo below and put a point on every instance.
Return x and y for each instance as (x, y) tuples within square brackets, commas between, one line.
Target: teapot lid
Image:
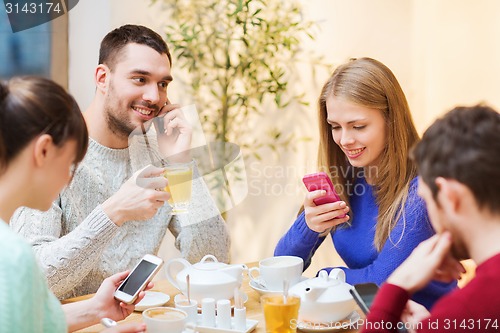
[(334, 287), (209, 271), (325, 280), (204, 264)]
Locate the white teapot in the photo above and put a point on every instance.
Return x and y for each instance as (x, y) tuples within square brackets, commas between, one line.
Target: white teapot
[(324, 299), (208, 278)]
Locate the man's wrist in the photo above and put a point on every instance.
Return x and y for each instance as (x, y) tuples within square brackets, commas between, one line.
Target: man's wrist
[(404, 283), (113, 213)]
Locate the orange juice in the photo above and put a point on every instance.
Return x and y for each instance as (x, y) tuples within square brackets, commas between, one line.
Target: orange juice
[(280, 317)]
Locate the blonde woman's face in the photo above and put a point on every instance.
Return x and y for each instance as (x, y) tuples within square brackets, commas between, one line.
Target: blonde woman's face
[(357, 130)]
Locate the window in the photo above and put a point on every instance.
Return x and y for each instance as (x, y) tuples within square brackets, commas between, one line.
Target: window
[(41, 50)]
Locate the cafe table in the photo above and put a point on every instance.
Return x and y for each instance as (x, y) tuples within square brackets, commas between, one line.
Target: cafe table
[(253, 307)]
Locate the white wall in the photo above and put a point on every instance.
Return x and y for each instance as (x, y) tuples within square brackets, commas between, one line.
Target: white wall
[(444, 52), (88, 23), (455, 55)]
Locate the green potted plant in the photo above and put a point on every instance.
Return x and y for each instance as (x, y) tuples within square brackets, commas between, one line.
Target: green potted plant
[(239, 56)]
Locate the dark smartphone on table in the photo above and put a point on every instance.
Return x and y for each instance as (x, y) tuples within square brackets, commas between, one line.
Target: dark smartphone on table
[(364, 294)]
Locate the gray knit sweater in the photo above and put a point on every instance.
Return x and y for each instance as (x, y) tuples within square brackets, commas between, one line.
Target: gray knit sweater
[(78, 246)]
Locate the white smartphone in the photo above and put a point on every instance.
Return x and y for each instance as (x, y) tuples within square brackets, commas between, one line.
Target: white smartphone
[(138, 279)]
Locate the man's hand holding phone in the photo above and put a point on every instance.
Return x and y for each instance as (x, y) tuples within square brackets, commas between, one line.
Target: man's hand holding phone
[(174, 133), (322, 205)]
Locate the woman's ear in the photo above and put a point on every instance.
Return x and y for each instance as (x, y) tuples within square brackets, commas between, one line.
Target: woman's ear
[(101, 77), (43, 149)]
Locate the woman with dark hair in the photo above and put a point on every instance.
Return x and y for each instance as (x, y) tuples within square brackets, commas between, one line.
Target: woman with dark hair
[(43, 137), (366, 132)]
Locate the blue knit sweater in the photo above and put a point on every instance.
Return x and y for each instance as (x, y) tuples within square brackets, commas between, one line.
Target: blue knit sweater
[(355, 243)]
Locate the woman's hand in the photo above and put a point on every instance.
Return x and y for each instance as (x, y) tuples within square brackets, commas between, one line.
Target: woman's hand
[(324, 217), (110, 307), (103, 304)]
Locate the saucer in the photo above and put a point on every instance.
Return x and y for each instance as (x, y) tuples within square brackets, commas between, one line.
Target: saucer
[(349, 322), (243, 296), (264, 291), (152, 299)]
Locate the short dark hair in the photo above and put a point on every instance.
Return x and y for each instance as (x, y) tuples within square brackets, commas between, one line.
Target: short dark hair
[(31, 106), (464, 145), (113, 43)]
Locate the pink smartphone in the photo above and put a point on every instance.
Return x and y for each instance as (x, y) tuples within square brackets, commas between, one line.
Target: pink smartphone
[(321, 181)]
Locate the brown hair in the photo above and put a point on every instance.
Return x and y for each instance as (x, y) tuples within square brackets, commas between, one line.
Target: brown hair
[(31, 106), (113, 43), (464, 145), (369, 83)]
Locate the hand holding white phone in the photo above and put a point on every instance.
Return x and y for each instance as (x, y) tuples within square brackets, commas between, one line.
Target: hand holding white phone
[(138, 279)]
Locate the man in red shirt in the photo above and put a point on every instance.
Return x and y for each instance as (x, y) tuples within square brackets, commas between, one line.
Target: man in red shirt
[(459, 166)]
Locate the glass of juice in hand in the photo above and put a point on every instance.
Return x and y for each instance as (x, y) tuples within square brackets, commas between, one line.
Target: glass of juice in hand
[(180, 178)]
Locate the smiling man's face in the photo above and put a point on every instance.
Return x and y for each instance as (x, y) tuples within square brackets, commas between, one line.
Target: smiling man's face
[(137, 88)]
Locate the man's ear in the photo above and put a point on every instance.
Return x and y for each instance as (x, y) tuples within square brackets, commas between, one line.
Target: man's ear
[(42, 150), (450, 195), (101, 77)]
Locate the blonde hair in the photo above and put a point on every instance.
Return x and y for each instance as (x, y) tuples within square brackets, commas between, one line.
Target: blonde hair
[(369, 83)]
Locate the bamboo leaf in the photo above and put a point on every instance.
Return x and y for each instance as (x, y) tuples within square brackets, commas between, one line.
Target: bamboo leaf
[(239, 56)]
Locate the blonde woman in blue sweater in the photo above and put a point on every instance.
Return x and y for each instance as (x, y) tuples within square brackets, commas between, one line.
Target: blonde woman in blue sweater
[(366, 132), (42, 138)]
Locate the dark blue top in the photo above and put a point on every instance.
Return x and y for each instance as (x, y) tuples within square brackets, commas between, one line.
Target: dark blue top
[(355, 243)]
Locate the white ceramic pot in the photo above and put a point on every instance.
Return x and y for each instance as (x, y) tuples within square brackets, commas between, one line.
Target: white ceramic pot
[(208, 278), (325, 298)]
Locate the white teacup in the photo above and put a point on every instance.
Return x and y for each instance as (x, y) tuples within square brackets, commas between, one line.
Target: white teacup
[(274, 270), (164, 319)]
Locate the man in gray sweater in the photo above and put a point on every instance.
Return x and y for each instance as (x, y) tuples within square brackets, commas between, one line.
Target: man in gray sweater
[(111, 213)]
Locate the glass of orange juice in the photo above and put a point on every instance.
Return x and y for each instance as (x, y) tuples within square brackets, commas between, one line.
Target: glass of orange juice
[(180, 179), (280, 316)]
